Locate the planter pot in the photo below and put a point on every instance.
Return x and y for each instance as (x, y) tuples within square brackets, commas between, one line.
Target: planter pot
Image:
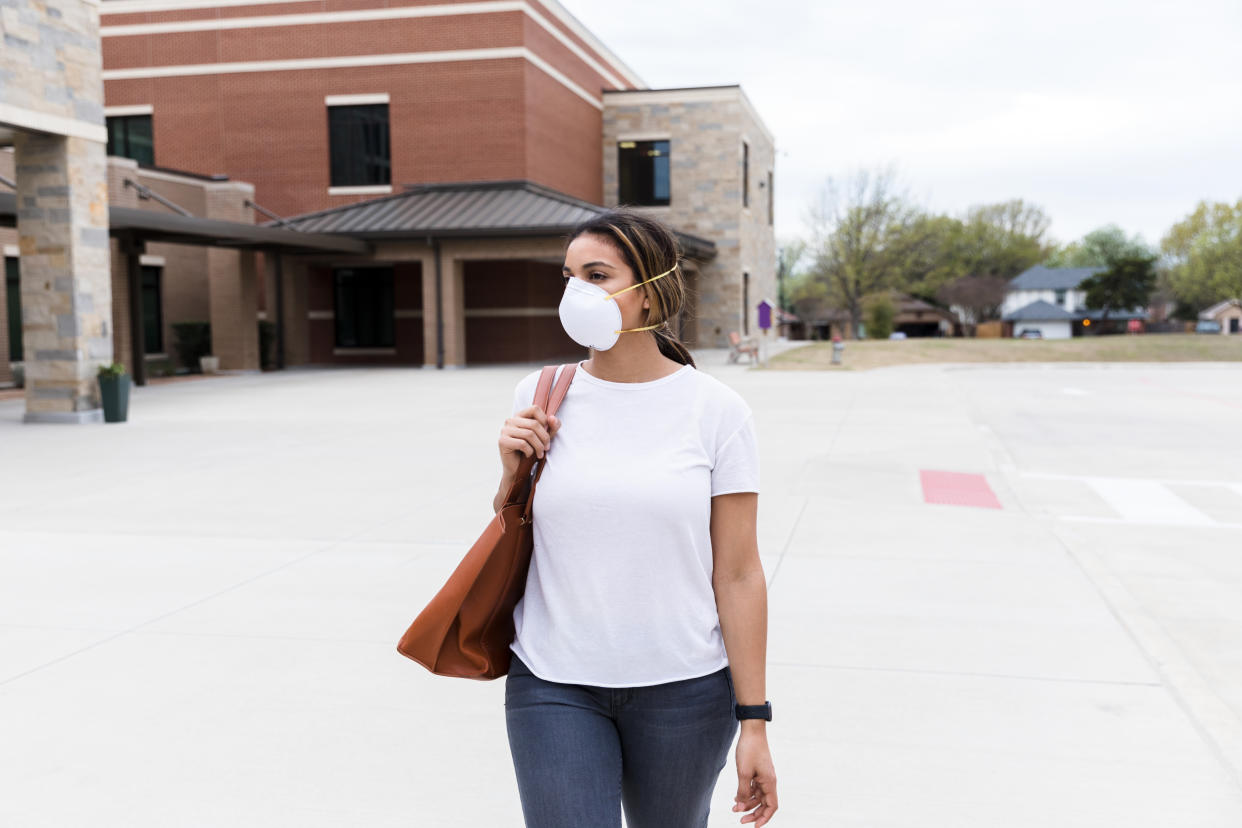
[(114, 394), (209, 364)]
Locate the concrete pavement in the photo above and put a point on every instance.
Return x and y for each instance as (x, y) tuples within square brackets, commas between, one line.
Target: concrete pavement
[(199, 607)]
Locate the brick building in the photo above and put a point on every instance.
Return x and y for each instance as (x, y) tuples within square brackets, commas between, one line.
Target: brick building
[(338, 115)]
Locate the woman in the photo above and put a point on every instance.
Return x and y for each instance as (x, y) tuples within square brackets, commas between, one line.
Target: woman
[(641, 637)]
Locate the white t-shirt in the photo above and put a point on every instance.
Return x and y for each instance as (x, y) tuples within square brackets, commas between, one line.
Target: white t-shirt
[(620, 586)]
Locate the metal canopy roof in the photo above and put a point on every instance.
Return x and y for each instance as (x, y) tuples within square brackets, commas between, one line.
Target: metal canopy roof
[(168, 227), (474, 209)]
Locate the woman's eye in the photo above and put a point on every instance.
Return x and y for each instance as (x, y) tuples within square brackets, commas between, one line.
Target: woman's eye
[(598, 275)]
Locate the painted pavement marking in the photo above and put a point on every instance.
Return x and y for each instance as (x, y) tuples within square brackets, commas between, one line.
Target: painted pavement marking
[(957, 489)]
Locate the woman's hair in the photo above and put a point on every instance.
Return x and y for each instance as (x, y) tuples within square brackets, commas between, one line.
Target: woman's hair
[(649, 248)]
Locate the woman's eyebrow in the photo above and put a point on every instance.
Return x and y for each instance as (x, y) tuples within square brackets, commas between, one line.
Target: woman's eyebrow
[(565, 268)]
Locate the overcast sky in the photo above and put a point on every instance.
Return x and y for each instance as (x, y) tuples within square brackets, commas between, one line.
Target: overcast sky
[(1098, 111)]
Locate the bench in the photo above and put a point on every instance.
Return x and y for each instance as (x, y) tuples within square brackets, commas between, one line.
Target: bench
[(739, 346)]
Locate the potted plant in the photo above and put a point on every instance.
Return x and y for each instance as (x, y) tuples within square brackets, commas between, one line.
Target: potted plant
[(114, 392), (191, 341)]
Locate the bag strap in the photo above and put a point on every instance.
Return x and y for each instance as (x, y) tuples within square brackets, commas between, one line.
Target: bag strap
[(549, 400), (562, 387), (554, 402)]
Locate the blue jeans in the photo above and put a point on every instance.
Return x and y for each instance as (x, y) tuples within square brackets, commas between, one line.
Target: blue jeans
[(582, 753)]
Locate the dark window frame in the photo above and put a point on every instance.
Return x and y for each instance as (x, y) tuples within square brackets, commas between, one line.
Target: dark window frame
[(127, 141), (13, 305), (364, 307), (644, 173), (745, 174), (745, 303), (359, 145)]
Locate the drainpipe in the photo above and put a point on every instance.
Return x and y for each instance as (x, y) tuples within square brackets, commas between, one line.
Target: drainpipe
[(435, 251)]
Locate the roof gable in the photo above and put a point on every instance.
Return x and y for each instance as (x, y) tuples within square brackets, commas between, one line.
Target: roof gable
[(1052, 278), (1038, 311), (472, 209)]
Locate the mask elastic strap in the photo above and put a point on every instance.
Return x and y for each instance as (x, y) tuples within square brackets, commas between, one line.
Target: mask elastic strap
[(636, 330), (640, 284)]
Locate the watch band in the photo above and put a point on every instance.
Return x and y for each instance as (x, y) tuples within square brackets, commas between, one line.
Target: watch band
[(753, 711)]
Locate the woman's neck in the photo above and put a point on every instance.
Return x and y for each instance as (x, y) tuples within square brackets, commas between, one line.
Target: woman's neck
[(635, 358)]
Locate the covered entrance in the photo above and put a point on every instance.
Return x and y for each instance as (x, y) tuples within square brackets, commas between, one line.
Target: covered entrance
[(476, 265)]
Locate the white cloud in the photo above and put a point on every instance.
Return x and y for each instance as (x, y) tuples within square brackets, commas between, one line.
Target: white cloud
[(1100, 111)]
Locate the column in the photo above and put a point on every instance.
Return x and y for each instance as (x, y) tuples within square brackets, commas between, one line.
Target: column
[(62, 226)]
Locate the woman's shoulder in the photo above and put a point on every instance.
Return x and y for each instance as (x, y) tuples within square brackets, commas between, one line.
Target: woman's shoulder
[(716, 394)]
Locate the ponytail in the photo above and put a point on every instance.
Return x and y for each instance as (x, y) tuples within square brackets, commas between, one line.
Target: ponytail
[(672, 347)]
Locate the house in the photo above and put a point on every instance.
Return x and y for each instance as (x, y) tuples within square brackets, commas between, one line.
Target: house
[(1228, 313), (1051, 300)]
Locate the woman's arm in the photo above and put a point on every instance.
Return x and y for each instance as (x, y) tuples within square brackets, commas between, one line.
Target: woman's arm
[(742, 603)]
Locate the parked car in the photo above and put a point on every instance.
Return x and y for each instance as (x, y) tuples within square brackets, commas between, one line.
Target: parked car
[(1207, 326), (897, 335), (1030, 333)]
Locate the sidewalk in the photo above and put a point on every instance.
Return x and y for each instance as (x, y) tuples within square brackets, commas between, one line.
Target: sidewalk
[(199, 608)]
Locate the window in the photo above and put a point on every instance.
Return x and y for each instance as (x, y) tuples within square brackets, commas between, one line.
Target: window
[(745, 304), (643, 170), (358, 145), (745, 174), (771, 200), (364, 309), (130, 136), (1061, 299), (152, 316), (13, 297)]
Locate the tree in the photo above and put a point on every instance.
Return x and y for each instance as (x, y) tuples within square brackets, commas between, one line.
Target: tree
[(999, 240), (1003, 239), (1099, 248), (978, 297), (861, 239), (1203, 255), (789, 255), (808, 297), (1126, 284)]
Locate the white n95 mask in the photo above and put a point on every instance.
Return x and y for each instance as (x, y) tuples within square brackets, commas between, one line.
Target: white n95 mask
[(590, 315)]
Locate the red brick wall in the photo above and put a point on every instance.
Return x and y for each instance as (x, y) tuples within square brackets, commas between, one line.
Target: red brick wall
[(461, 121)]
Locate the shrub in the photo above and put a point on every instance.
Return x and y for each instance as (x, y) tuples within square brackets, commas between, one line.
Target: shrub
[(880, 314), (112, 371)]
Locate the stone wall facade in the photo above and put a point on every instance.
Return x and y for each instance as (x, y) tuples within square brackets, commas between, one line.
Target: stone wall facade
[(710, 131), (51, 111)]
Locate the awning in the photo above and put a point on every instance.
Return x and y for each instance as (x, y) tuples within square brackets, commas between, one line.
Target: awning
[(149, 225), (467, 210)]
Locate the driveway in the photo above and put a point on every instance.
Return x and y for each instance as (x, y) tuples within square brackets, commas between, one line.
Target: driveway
[(1000, 596)]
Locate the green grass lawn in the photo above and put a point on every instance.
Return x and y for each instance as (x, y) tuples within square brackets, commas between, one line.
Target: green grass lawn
[(1121, 348)]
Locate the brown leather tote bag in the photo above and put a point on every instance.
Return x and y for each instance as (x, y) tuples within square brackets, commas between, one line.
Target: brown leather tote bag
[(466, 629)]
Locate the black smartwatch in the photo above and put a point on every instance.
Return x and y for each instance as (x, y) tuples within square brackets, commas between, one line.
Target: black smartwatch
[(753, 711)]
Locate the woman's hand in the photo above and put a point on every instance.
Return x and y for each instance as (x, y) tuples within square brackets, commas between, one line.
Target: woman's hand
[(756, 775), (528, 432)]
